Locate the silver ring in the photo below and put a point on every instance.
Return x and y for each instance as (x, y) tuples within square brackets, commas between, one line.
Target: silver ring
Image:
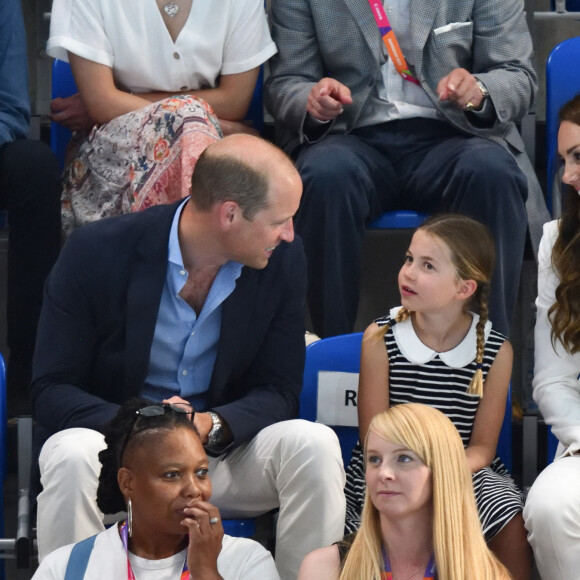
[(213, 521), (469, 106)]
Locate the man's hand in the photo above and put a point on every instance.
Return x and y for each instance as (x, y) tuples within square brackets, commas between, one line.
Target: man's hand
[(70, 112), (202, 421), (327, 98), (460, 87)]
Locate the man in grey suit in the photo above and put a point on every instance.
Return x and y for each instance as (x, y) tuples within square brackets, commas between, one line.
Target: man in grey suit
[(368, 141)]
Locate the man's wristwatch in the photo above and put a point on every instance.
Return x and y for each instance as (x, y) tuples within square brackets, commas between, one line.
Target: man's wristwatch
[(215, 439), (483, 90)]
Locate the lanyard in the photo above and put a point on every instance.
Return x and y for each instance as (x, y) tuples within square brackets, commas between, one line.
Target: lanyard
[(388, 575), (130, 575), (391, 41)]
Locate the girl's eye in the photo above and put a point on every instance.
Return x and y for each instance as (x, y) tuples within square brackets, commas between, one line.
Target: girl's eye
[(404, 458), (202, 473), (408, 259), (576, 156), (428, 266), (373, 459), (170, 474)]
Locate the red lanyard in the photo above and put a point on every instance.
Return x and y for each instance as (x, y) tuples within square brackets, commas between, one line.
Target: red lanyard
[(130, 575), (391, 41)]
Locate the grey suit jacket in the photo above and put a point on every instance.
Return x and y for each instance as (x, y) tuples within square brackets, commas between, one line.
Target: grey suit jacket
[(490, 38)]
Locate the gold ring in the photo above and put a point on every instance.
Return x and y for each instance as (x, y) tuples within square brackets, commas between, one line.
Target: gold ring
[(469, 106)]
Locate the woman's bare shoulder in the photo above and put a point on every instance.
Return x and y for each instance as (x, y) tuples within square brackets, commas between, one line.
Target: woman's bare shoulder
[(322, 564)]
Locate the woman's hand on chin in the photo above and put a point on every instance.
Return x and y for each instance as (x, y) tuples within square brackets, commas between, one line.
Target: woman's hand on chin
[(205, 540)]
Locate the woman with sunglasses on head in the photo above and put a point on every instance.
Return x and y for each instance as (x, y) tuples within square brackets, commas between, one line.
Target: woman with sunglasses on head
[(419, 519), (155, 468), (552, 511)]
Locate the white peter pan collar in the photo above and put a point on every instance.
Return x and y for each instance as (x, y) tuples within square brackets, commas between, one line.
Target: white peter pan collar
[(418, 353)]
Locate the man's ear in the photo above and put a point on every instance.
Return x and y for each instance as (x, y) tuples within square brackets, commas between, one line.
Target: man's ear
[(466, 289), (228, 213)]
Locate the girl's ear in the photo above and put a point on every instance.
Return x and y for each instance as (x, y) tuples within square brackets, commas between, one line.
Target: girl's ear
[(466, 289)]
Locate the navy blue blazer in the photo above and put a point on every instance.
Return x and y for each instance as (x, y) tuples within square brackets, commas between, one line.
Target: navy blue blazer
[(98, 319)]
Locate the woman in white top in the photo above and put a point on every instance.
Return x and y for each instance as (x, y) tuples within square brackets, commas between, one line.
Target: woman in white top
[(128, 59), (552, 511), (155, 467)]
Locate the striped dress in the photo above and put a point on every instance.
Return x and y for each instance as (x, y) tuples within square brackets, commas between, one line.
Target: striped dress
[(418, 374)]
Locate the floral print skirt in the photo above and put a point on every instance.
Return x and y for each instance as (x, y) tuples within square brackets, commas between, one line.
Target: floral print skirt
[(143, 158)]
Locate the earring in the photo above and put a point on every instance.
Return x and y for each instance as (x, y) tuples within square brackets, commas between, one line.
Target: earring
[(130, 517)]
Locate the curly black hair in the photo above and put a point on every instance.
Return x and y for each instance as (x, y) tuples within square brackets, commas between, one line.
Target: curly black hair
[(120, 433)]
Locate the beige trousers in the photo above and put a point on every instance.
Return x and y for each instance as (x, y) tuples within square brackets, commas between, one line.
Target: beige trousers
[(295, 466)]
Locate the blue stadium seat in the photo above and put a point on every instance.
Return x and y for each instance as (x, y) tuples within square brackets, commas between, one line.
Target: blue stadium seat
[(562, 84), (342, 354)]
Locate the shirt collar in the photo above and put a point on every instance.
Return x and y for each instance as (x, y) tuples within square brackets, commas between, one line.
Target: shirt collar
[(174, 251), (418, 353)]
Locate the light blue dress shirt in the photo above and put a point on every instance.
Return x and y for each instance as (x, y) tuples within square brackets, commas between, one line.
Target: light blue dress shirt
[(184, 346)]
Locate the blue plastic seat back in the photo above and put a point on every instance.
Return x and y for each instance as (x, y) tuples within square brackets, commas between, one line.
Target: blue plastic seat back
[(256, 111), (571, 5), (562, 84), (63, 85), (342, 354), (3, 419), (240, 528), (3, 448), (398, 220), (552, 446)]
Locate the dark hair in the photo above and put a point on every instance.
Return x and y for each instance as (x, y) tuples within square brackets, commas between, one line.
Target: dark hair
[(124, 431), (219, 178), (564, 314)]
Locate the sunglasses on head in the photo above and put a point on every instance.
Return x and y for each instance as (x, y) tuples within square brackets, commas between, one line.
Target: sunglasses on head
[(157, 410)]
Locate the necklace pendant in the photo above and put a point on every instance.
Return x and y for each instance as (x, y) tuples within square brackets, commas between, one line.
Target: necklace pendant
[(171, 9)]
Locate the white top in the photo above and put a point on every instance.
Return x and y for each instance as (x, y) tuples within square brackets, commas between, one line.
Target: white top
[(556, 385), (240, 559), (219, 37), (407, 100), (419, 353)]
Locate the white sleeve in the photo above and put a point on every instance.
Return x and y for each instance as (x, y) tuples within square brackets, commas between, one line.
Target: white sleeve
[(53, 567), (77, 26), (556, 386), (245, 559), (248, 42)]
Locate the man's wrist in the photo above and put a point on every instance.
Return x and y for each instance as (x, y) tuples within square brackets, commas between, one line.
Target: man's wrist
[(484, 95), (219, 436)]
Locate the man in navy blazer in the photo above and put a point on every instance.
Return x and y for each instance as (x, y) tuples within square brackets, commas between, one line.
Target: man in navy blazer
[(200, 301)]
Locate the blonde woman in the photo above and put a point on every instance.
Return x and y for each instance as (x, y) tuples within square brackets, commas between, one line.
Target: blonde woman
[(419, 518)]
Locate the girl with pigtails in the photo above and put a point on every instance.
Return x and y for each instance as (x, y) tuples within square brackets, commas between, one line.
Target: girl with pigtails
[(438, 348)]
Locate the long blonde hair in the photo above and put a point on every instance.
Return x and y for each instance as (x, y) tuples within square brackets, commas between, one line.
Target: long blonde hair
[(458, 543), (473, 255)]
